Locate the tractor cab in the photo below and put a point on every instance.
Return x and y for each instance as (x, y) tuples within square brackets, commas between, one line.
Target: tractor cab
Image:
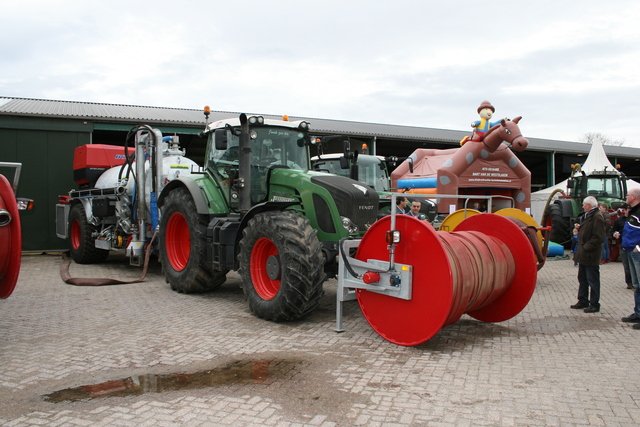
[(270, 147)]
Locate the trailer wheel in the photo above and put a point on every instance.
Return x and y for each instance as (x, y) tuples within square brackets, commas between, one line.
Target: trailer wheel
[(83, 249), (560, 230), (281, 266), (182, 246)]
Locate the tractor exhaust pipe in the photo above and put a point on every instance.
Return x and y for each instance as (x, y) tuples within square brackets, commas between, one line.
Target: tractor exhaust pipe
[(244, 172)]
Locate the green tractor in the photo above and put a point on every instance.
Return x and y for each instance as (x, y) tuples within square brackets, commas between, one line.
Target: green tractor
[(609, 186), (258, 209), (365, 168)]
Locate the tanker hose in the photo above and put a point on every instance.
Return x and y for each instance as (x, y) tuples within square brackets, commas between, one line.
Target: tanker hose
[(545, 213), (344, 259)]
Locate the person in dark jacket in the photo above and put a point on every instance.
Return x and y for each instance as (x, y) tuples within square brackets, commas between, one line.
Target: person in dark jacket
[(618, 229), (591, 234), (606, 251), (630, 244), (401, 205)]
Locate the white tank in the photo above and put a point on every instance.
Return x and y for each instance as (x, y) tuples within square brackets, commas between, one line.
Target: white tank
[(173, 166)]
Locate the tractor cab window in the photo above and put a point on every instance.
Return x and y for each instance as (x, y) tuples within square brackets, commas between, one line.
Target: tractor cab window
[(273, 146), (270, 147), (373, 171), (604, 187)]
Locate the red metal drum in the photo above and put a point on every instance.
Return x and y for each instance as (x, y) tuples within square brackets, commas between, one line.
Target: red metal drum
[(10, 241), (409, 322), (486, 268)]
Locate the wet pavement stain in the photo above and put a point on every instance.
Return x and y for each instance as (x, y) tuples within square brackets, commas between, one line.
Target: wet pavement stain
[(239, 372)]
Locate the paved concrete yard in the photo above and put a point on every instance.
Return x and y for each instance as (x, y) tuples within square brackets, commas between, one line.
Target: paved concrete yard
[(204, 360)]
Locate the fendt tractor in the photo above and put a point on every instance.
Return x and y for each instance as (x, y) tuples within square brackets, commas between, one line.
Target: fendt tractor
[(365, 168), (115, 207), (368, 169), (256, 208), (606, 185)]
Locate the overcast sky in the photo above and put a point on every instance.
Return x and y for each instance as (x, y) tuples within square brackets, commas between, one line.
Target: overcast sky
[(567, 67)]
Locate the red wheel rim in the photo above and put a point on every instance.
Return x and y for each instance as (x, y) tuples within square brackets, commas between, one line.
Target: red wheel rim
[(178, 242), (267, 287), (75, 234), (409, 322)]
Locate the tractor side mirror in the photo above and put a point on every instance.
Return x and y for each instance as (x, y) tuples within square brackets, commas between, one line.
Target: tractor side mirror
[(344, 162), (571, 183), (221, 139)]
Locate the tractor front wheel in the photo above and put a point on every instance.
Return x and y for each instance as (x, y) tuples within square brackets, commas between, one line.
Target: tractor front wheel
[(182, 246), (281, 266), (81, 237), (560, 227)]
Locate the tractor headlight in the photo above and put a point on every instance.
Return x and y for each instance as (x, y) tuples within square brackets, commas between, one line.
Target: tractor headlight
[(256, 120), (349, 225), (304, 125)]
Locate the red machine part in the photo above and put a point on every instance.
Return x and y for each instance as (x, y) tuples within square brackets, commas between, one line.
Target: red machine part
[(486, 268), (91, 160), (10, 241)]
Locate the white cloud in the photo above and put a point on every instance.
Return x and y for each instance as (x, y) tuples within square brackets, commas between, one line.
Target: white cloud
[(408, 62)]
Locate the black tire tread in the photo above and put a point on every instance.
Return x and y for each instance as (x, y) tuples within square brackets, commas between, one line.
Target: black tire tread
[(302, 266), (560, 227), (87, 253), (198, 276)]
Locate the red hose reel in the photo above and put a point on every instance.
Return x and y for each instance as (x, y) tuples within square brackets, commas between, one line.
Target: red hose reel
[(10, 239), (486, 268)]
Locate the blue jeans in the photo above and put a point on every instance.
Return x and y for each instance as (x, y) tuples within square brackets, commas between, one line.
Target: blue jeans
[(589, 277), (624, 257), (606, 251), (634, 269)]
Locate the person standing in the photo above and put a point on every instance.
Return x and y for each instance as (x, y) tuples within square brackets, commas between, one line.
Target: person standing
[(401, 205), (606, 251), (618, 229), (591, 234), (630, 244), (415, 210)]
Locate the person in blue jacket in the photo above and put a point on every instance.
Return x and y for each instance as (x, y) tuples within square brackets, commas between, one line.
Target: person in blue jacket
[(631, 244)]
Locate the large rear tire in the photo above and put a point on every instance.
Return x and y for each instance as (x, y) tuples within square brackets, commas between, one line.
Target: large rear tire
[(560, 229), (182, 246), (81, 238), (281, 265)]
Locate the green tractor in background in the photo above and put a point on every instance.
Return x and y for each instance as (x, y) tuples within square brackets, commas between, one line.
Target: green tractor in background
[(258, 209), (365, 168), (609, 186)]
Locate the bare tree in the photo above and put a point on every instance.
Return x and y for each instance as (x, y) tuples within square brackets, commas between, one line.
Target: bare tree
[(591, 137)]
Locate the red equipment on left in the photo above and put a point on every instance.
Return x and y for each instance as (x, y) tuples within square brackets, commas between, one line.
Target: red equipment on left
[(10, 231), (10, 239)]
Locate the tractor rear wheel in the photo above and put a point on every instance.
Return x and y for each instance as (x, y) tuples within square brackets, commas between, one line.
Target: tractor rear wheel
[(182, 246), (281, 266), (81, 237), (560, 230)]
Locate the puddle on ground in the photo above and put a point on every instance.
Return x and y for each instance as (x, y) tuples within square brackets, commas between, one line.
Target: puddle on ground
[(240, 372)]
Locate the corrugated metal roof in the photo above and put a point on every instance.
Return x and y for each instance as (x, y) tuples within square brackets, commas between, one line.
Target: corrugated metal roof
[(192, 118)]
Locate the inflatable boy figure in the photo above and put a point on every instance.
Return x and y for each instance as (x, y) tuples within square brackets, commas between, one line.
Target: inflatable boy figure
[(480, 127)]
